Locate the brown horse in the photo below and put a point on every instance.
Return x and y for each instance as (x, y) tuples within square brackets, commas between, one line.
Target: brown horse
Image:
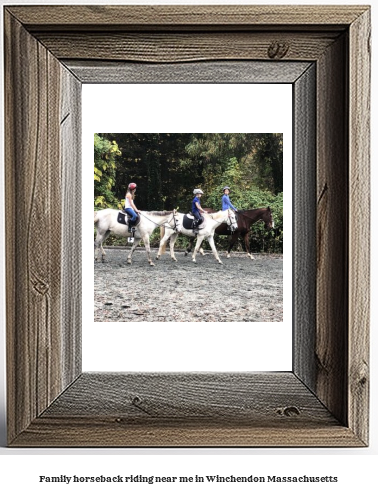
[(245, 219)]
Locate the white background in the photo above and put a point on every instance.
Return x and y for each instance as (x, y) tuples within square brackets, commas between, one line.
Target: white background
[(356, 468), (186, 346)]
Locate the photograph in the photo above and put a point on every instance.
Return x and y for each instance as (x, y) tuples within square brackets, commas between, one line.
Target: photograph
[(204, 209), (198, 115)]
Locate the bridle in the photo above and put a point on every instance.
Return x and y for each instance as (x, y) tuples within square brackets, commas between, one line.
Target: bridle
[(228, 221)]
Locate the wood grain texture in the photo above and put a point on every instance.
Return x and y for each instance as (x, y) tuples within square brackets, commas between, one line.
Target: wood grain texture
[(179, 47), (197, 409), (359, 232), (32, 238), (184, 16), (324, 402), (304, 228), (332, 230), (202, 72), (100, 432), (71, 289), (220, 396), (34, 208)]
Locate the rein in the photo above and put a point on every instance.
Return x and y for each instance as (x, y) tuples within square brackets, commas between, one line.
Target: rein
[(163, 223)]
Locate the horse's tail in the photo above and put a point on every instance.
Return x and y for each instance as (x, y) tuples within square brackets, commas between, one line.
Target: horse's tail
[(95, 217), (162, 233)]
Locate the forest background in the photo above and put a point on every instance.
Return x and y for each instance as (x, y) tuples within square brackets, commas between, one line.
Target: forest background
[(167, 167)]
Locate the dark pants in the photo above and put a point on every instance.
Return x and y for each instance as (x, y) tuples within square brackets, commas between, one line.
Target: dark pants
[(198, 219)]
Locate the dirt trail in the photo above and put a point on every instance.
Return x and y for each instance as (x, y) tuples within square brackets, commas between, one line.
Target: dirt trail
[(240, 290)]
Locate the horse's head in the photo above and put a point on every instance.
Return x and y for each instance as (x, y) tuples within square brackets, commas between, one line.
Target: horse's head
[(231, 220), (268, 219)]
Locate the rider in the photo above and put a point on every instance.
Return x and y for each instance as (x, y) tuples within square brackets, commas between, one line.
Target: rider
[(130, 207), (226, 202), (197, 210)]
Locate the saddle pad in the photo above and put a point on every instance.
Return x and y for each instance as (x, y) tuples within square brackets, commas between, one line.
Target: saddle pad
[(187, 222), (121, 218)]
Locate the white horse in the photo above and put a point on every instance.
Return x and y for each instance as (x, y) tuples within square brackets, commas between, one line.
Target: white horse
[(206, 231), (106, 223)]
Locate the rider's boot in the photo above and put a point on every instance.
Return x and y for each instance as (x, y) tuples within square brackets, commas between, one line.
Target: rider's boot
[(132, 234)]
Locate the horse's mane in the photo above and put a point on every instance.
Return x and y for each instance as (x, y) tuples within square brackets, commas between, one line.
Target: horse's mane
[(158, 213), (217, 214), (253, 209), (212, 211)]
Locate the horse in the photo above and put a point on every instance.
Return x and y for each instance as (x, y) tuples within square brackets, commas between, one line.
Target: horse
[(245, 219), (106, 223), (206, 230)]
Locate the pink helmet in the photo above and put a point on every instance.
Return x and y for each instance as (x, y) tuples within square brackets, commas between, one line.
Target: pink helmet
[(132, 186)]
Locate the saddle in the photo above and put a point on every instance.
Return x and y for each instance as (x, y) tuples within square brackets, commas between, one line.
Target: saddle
[(123, 218), (188, 221)]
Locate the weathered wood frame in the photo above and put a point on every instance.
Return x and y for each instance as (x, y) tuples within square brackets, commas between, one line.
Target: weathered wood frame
[(49, 52)]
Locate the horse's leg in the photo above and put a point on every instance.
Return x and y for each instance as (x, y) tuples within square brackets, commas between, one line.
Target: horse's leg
[(247, 248), (172, 242), (103, 254), (146, 240), (135, 244), (233, 239), (95, 249), (162, 244), (210, 239), (100, 238), (198, 244), (189, 247)]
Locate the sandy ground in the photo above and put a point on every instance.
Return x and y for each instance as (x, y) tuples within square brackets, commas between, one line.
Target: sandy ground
[(239, 290)]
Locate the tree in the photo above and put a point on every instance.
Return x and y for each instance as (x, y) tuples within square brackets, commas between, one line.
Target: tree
[(268, 161), (167, 167), (105, 154)]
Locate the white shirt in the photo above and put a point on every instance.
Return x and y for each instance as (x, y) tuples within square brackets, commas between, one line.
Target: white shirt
[(127, 203)]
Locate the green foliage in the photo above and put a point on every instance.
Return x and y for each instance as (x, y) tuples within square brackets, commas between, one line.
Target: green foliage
[(266, 162), (105, 154), (167, 167)]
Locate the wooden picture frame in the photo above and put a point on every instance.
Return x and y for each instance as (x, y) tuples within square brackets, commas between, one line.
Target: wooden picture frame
[(49, 52)]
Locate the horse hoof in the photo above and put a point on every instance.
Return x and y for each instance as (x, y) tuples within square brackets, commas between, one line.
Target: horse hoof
[(157, 257), (129, 261), (228, 256), (186, 253), (194, 261), (251, 257), (174, 259), (152, 264), (220, 262)]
